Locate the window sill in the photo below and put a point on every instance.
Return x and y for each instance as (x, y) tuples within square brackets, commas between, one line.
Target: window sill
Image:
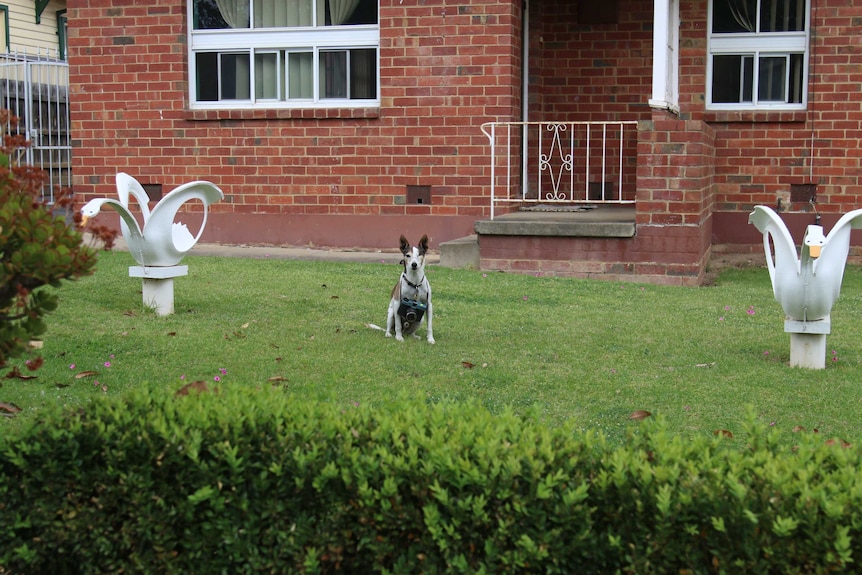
[(283, 114), (755, 116)]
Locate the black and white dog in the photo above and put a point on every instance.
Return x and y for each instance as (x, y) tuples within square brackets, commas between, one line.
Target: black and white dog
[(411, 297)]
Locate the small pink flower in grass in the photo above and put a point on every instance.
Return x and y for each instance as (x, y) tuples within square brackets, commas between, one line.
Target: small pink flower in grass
[(216, 378), (771, 424), (750, 310), (182, 377), (95, 383), (721, 318), (107, 364), (834, 359), (111, 356), (484, 275), (223, 370), (766, 352), (72, 366), (525, 298), (727, 308)]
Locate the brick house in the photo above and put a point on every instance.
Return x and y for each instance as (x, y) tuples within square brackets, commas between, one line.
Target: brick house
[(347, 122)]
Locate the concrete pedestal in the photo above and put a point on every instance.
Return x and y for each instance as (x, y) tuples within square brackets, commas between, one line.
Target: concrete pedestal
[(808, 342), (158, 285)]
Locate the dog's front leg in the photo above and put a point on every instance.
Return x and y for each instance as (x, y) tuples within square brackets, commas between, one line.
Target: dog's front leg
[(430, 327), (390, 321), (398, 328)]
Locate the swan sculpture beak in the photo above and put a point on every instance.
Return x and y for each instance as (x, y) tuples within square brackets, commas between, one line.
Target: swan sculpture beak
[(84, 220), (814, 240)]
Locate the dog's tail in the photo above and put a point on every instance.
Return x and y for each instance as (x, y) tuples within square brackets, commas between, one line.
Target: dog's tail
[(373, 326)]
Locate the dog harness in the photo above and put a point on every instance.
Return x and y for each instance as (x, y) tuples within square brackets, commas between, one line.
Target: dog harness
[(411, 310)]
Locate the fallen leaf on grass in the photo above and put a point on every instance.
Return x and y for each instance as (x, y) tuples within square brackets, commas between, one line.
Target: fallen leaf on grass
[(711, 364), (723, 433), (36, 344), (129, 313), (198, 386), (840, 442), (16, 374), (639, 415), (172, 333), (9, 409), (35, 363), (468, 365), (277, 378), (797, 429), (83, 374)]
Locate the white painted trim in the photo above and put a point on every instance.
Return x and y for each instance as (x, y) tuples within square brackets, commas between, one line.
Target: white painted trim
[(665, 71)]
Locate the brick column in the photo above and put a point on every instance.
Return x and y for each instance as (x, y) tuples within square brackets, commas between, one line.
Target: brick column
[(675, 193)]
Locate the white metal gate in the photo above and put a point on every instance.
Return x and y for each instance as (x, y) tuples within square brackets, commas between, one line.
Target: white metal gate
[(35, 89)]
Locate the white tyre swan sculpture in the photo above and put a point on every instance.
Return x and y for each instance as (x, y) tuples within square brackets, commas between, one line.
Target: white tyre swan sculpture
[(806, 284), (160, 241)]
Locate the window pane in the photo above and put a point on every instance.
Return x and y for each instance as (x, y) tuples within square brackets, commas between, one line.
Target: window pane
[(206, 68), (235, 78), (772, 79), (333, 74), (732, 79), (782, 15), (363, 74), (734, 16), (266, 77), (278, 13), (350, 12), (220, 14), (300, 75), (797, 80)]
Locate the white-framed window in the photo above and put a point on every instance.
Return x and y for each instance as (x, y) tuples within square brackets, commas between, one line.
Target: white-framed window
[(283, 53), (758, 54)]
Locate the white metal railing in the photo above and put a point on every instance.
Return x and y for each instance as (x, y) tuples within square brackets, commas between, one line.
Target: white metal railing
[(35, 89), (562, 162)]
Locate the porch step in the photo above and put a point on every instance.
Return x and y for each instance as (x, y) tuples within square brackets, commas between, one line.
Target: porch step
[(460, 253), (603, 222)]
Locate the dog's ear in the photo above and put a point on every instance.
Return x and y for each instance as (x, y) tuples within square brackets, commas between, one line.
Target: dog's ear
[(405, 245), (423, 244)]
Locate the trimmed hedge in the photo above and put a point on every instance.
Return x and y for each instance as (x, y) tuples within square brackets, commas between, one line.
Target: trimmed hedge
[(256, 481)]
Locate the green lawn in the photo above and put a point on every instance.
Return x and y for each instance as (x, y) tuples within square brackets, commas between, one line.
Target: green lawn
[(589, 351)]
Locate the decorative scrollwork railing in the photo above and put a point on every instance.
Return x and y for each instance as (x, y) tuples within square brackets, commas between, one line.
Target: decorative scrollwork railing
[(562, 162)]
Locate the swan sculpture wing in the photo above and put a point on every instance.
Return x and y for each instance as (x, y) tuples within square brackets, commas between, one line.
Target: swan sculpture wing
[(833, 260), (173, 238), (785, 258)]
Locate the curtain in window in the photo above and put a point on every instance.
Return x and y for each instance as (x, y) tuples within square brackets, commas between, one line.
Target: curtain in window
[(234, 12), (282, 13), (742, 14), (340, 10), (300, 75)]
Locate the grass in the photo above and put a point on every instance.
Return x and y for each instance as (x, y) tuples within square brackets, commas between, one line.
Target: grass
[(589, 351)]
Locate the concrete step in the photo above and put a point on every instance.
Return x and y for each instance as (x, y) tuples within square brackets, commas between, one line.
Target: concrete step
[(460, 253)]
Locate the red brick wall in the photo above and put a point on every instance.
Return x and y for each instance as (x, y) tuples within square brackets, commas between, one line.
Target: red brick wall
[(335, 177), (581, 71)]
